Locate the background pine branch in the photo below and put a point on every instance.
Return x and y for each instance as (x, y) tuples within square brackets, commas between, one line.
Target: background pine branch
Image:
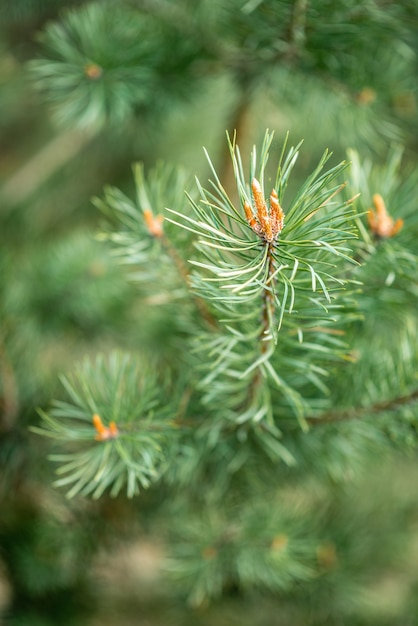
[(281, 473)]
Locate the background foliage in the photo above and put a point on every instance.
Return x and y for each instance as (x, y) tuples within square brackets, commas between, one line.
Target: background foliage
[(87, 89)]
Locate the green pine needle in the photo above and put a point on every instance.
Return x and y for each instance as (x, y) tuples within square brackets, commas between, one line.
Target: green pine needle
[(117, 389)]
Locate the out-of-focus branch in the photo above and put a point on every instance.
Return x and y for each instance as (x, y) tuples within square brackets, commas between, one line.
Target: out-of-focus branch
[(357, 413), (51, 158)]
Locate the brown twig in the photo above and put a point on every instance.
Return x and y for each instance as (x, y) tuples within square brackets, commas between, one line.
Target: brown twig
[(356, 413), (268, 299), (185, 275), (267, 312), (10, 397), (238, 124), (43, 165)]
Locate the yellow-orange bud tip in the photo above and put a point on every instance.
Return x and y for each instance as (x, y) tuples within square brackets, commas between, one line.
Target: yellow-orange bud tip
[(93, 71), (153, 223)]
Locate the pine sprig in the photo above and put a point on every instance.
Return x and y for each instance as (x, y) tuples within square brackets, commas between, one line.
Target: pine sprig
[(268, 286), (279, 286), (387, 387), (138, 230), (144, 239), (103, 64), (387, 220), (120, 392), (252, 546), (97, 66), (256, 362), (238, 261)]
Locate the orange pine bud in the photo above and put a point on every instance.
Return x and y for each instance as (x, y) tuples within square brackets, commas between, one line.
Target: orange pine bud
[(104, 433), (113, 430), (251, 219), (100, 428), (276, 213), (261, 207), (93, 71), (380, 222), (397, 226), (153, 223)]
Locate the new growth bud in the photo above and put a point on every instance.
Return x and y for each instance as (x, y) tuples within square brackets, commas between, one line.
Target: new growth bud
[(153, 223), (104, 432), (267, 224), (380, 222)]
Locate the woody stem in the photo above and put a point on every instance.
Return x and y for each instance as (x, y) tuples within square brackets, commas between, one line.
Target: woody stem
[(267, 313), (9, 400), (268, 301), (239, 124), (184, 274), (359, 412)]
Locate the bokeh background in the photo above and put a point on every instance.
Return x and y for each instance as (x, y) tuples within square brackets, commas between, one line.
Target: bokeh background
[(152, 80)]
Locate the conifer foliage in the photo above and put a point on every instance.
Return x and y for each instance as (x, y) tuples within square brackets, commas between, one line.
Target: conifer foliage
[(271, 302), (252, 284), (239, 338)]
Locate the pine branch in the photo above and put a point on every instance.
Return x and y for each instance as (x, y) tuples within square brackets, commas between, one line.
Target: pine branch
[(9, 400), (43, 165), (364, 412), (238, 126), (143, 240), (262, 272), (114, 428), (228, 548), (260, 281), (184, 274), (268, 301), (298, 23)]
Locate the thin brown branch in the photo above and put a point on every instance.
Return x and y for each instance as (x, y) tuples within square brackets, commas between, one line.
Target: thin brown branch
[(185, 276), (43, 165), (239, 124), (268, 300), (298, 24), (267, 313), (357, 413), (9, 399)]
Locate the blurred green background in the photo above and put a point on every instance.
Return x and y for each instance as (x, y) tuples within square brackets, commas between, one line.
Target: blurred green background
[(62, 296)]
